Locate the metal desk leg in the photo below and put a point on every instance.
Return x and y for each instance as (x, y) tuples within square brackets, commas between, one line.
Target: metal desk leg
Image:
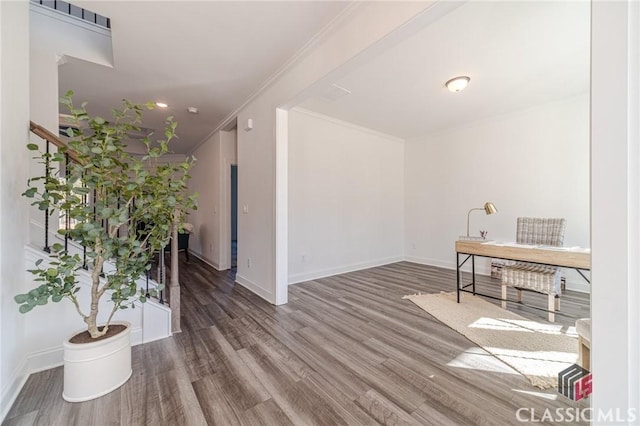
[(458, 276), (473, 273)]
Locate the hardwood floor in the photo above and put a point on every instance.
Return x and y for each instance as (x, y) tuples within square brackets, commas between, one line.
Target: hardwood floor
[(345, 350)]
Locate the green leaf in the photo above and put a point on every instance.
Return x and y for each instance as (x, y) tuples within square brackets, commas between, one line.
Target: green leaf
[(25, 308), (107, 176), (20, 298), (30, 192), (32, 147)]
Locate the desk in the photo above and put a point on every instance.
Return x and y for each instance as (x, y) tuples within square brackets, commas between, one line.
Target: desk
[(580, 259)]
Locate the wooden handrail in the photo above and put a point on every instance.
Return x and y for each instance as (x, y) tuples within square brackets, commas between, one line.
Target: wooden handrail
[(52, 138), (174, 286)]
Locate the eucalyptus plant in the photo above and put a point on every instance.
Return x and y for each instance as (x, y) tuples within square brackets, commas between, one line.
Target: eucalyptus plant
[(123, 206)]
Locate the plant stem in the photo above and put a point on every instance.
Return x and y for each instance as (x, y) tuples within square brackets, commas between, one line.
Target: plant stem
[(91, 319)]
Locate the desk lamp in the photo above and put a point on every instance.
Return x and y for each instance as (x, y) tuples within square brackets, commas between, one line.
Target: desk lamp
[(488, 208)]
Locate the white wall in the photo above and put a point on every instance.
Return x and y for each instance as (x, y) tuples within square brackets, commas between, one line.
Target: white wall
[(205, 180), (346, 197), (615, 208), (533, 162), (210, 178), (369, 23), (55, 35), (14, 169)]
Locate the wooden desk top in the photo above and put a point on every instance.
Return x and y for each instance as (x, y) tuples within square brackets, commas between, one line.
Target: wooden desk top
[(580, 259)]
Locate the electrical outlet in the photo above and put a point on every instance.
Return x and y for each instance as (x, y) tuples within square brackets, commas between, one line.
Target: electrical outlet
[(248, 262), (303, 258)]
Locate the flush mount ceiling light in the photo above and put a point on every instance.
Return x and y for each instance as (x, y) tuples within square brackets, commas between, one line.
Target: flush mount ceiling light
[(161, 105), (192, 110), (456, 84)]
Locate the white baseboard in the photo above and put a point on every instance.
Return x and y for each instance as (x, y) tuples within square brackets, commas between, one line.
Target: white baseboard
[(12, 389), (483, 265), (214, 265), (255, 288), (136, 336), (32, 363), (45, 359), (314, 275), (430, 262)]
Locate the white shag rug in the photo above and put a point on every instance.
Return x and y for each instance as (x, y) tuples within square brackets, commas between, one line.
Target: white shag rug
[(537, 350)]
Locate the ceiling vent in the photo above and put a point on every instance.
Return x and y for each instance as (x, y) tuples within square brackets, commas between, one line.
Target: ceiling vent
[(334, 92)]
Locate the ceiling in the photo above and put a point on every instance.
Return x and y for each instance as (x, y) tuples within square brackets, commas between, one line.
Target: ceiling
[(517, 54), (212, 55)]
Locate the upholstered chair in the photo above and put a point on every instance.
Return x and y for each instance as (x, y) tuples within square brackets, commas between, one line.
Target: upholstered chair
[(530, 276)]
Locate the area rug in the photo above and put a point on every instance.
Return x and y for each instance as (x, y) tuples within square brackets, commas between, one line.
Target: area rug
[(537, 350)]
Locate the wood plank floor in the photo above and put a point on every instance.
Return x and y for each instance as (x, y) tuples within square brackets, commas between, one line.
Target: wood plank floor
[(344, 350)]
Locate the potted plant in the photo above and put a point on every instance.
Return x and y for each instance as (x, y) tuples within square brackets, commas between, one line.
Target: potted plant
[(123, 208)]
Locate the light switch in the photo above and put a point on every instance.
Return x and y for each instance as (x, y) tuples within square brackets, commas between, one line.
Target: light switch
[(245, 209)]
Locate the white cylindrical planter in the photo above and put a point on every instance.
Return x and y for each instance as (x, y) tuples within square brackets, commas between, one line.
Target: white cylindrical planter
[(96, 368)]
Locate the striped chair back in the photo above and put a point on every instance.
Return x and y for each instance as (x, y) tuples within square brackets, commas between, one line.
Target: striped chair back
[(535, 230)]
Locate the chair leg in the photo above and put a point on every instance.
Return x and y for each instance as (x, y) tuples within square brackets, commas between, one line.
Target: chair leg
[(504, 296), (552, 306)]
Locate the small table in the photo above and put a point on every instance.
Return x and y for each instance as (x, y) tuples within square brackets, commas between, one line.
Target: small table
[(578, 259)]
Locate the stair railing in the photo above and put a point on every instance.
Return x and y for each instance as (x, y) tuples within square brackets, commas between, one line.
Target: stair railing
[(173, 288)]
